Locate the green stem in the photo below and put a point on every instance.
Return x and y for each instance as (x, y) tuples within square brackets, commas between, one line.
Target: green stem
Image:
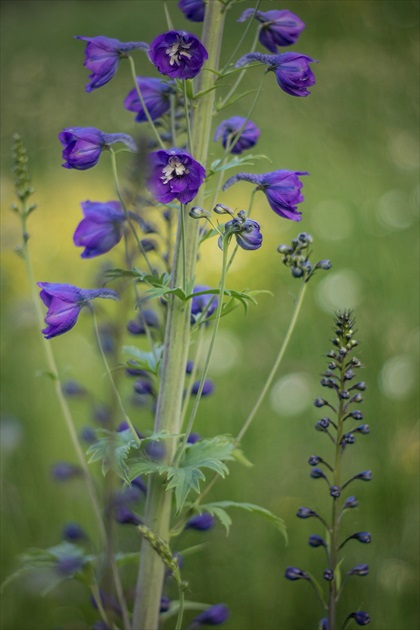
[(276, 364), (111, 378), (127, 214), (176, 344), (183, 245), (187, 115), (239, 44), (235, 251), (143, 104), (209, 354)]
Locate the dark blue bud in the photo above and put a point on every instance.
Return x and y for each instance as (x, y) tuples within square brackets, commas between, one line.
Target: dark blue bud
[(363, 537), (208, 387), (350, 502), (124, 426), (327, 382), (356, 414), (316, 541), (323, 424), (335, 491), (293, 573), (348, 375), (362, 428), (212, 616), (359, 569), (138, 482), (348, 438), (165, 604), (73, 531), (320, 402), (88, 435), (296, 272), (72, 388), (189, 367), (344, 394), (193, 438), (143, 387), (316, 473), (323, 624), (356, 398), (304, 512), (314, 460), (135, 371), (124, 516), (69, 565), (62, 471), (304, 238), (201, 522), (324, 265), (361, 618), (155, 450), (328, 575), (360, 386), (331, 355), (332, 365), (366, 475)]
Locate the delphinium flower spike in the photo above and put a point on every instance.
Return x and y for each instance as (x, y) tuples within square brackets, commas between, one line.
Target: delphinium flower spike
[(337, 378)]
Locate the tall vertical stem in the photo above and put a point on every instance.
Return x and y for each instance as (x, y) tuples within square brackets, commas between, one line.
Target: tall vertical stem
[(169, 404)]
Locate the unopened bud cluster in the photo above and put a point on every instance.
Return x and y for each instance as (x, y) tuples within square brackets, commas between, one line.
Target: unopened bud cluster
[(296, 257)]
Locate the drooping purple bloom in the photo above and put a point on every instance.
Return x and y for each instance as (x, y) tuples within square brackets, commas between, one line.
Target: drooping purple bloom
[(124, 516), (212, 616), (282, 189), (174, 175), (155, 93), (201, 522), (278, 28), (292, 70), (361, 617), (83, 145), (101, 229), (203, 304), (238, 132), (247, 233), (146, 318), (178, 54), (63, 471), (102, 57), (73, 531), (208, 387), (193, 9), (165, 604), (64, 303)]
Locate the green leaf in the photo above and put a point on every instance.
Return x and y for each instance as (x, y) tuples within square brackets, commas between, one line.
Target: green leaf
[(149, 361), (220, 106), (210, 454), (218, 510), (248, 160), (112, 450)]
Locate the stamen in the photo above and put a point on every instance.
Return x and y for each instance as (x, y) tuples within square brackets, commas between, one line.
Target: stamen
[(176, 50), (174, 168)]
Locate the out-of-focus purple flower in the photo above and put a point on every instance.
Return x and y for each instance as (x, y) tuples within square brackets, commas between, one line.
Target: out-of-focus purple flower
[(88, 435), (147, 318), (64, 303), (212, 616), (304, 512), (165, 604), (193, 438), (174, 174), (193, 9), (102, 56), (278, 28), (155, 93), (208, 387), (143, 387), (247, 233), (69, 565), (361, 618), (124, 516), (316, 541), (282, 189), (359, 569), (292, 70), (201, 522), (155, 450), (138, 482), (101, 229), (203, 304), (178, 54), (83, 145), (73, 531), (63, 471), (238, 132), (73, 388)]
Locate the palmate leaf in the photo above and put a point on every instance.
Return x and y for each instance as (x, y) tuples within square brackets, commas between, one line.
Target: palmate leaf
[(112, 450), (220, 165), (218, 509), (149, 361)]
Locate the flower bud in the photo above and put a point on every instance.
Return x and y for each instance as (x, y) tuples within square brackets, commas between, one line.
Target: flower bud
[(316, 541), (304, 512), (350, 502), (328, 575), (293, 573), (359, 569), (198, 213), (335, 491), (220, 208)]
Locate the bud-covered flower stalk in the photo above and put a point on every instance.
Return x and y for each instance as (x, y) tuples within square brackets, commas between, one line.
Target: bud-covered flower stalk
[(337, 379)]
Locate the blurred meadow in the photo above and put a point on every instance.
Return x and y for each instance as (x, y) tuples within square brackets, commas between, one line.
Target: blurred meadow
[(357, 135)]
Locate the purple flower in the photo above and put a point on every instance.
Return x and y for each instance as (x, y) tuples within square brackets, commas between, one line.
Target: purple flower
[(73, 531), (278, 28), (361, 618), (69, 565), (64, 303), (201, 522), (83, 145), (102, 56), (202, 304), (193, 9), (237, 132), (282, 189), (101, 229), (155, 93), (178, 54), (292, 70), (247, 233), (145, 319), (63, 471), (124, 516), (212, 616), (208, 387), (174, 175)]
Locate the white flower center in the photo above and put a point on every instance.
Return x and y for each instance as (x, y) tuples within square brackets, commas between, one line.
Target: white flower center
[(178, 50), (174, 168)]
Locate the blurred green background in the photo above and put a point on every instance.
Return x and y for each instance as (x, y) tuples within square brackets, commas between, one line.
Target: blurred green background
[(357, 136)]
